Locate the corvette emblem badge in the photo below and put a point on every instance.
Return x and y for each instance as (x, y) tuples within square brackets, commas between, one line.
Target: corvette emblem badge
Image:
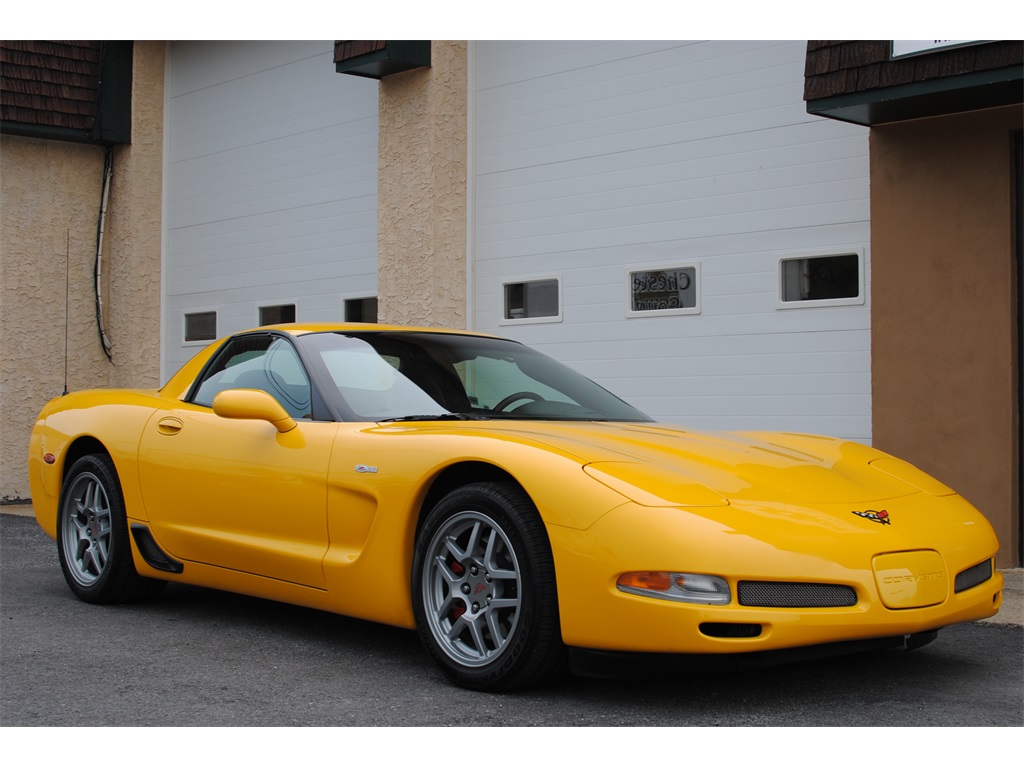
[(878, 517)]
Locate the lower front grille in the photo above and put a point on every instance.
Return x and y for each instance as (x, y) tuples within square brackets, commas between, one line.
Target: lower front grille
[(785, 594), (973, 576), (730, 630)]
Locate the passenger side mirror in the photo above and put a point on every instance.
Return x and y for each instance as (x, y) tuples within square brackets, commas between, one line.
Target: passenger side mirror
[(252, 404)]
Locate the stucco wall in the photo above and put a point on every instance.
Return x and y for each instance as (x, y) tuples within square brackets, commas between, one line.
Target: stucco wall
[(50, 200), (943, 311), (421, 211)]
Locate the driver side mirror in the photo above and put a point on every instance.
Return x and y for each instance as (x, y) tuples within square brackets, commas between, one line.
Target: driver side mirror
[(252, 404)]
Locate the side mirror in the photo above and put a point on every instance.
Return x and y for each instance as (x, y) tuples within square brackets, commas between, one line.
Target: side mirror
[(252, 404)]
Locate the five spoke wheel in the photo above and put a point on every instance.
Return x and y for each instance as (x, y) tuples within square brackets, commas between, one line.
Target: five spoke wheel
[(92, 535), (85, 531), (484, 590), (471, 588)]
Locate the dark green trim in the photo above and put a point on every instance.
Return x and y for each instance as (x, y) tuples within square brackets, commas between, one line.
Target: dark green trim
[(930, 98), (114, 113), (396, 56), (51, 132)]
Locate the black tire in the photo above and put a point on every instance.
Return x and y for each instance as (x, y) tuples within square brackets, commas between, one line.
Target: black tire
[(484, 594), (92, 536)]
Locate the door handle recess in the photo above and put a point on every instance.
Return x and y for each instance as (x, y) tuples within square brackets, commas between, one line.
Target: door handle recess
[(169, 425)]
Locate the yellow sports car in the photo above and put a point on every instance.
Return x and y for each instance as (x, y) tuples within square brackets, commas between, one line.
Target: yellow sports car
[(513, 512)]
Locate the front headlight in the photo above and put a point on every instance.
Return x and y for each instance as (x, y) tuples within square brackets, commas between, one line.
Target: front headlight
[(681, 587)]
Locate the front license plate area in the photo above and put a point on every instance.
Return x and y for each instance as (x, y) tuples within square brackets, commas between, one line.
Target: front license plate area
[(911, 579)]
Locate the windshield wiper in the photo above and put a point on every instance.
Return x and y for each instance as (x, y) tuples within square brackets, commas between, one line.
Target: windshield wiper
[(435, 417)]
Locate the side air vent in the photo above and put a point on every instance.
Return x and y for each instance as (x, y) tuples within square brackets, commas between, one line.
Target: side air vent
[(973, 576), (151, 551), (783, 594)]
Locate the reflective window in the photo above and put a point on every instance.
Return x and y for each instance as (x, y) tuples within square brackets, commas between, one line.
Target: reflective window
[(258, 361)]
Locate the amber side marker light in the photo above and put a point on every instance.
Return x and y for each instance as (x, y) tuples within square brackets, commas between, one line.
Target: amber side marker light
[(681, 587)]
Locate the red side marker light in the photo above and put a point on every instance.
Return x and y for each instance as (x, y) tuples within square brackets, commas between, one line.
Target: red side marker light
[(49, 458)]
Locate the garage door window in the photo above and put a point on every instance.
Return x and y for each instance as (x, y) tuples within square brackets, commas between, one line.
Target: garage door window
[(829, 279), (538, 301), (664, 291), (277, 313), (361, 310), (200, 326)]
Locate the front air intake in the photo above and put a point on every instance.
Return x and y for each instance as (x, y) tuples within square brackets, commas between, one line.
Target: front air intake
[(727, 629), (973, 576), (784, 594)]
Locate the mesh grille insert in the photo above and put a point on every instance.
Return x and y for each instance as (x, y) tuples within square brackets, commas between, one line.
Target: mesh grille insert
[(784, 594), (973, 576)]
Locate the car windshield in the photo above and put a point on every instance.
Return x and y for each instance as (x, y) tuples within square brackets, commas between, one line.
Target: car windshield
[(407, 375)]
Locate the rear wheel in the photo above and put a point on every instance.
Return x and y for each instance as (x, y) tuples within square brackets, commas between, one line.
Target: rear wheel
[(92, 536), (484, 590)]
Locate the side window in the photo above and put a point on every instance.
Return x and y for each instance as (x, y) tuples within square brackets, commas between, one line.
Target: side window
[(262, 362)]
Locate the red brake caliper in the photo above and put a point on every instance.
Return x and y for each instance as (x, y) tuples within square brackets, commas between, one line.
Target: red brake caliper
[(458, 608)]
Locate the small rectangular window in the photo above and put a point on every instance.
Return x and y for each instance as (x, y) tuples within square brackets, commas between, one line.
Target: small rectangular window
[(833, 279), (665, 291), (200, 326), (361, 310), (277, 314), (533, 300)]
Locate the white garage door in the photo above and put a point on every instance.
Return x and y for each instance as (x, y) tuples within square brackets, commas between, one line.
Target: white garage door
[(636, 206), (271, 174)]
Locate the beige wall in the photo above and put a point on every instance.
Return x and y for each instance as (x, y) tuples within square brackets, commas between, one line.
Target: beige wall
[(943, 306), (421, 207), (50, 199)]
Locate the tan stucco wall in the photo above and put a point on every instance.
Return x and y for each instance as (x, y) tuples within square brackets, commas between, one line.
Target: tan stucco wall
[(49, 207), (943, 306), (421, 206)]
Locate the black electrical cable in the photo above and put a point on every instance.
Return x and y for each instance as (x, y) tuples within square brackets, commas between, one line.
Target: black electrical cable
[(108, 173)]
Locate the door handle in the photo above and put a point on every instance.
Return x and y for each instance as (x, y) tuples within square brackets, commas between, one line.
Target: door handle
[(169, 425)]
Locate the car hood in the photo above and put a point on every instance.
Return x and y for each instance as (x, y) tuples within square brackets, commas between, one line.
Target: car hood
[(666, 465)]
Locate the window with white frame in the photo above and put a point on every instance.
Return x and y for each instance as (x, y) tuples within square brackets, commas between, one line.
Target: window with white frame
[(277, 313), (821, 279), (535, 300), (200, 326), (361, 310), (673, 290)]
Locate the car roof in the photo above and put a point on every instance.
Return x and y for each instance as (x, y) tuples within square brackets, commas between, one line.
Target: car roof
[(299, 329)]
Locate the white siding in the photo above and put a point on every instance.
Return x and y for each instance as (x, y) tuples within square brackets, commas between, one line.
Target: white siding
[(271, 160), (594, 158)]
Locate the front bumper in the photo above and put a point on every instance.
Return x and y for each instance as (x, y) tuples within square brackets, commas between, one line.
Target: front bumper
[(778, 545)]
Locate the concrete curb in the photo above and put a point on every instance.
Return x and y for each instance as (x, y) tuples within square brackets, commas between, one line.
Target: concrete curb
[(1011, 614)]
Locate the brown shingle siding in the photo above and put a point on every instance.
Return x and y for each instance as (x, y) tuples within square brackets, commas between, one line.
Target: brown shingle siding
[(50, 82), (868, 66)]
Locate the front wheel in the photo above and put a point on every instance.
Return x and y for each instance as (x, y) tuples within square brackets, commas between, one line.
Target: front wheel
[(484, 590), (92, 536)]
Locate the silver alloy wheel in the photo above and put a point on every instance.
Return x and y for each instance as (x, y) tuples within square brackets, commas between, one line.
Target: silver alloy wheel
[(86, 529), (471, 588)]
